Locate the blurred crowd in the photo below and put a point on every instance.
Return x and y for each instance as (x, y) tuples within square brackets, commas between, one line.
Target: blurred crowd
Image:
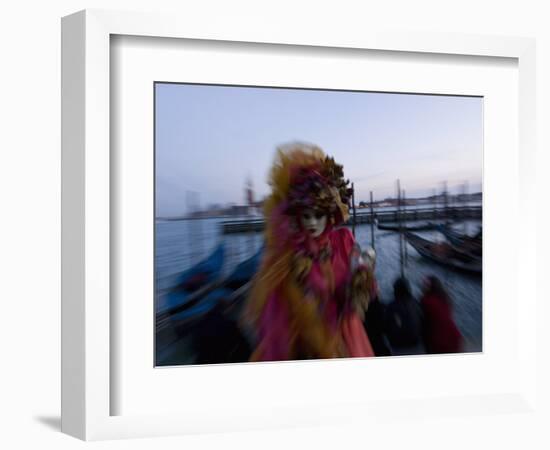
[(407, 326)]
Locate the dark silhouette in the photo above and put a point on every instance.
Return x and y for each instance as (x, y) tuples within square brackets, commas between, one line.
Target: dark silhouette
[(218, 339), (404, 320), (375, 319)]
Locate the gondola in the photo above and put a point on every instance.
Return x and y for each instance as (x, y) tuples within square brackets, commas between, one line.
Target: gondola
[(208, 330), (469, 244), (444, 253), (193, 280), (231, 289)]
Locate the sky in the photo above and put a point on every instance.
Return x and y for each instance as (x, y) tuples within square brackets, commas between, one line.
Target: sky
[(209, 140)]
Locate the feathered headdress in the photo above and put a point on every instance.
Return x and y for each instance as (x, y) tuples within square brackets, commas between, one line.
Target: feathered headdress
[(303, 177)]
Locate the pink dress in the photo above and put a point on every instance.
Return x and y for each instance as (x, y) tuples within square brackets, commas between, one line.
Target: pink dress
[(275, 336)]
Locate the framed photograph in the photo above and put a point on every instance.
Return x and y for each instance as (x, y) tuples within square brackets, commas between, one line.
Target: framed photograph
[(256, 222)]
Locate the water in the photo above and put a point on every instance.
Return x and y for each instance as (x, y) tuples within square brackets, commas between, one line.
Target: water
[(181, 244)]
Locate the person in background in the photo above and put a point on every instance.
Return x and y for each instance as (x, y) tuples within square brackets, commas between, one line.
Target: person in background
[(310, 294), (375, 317), (404, 321), (440, 332)]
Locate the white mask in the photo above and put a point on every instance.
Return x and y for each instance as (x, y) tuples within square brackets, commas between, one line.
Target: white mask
[(313, 222)]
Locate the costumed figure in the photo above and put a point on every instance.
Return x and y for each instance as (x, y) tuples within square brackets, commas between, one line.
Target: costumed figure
[(311, 292)]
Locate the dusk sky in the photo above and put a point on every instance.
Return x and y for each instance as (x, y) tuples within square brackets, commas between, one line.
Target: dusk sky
[(211, 139)]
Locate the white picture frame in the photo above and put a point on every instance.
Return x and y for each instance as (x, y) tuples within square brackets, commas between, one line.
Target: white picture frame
[(86, 245)]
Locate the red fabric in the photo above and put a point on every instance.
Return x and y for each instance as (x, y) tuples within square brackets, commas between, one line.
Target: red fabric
[(353, 331), (441, 334), (274, 330), (355, 337)]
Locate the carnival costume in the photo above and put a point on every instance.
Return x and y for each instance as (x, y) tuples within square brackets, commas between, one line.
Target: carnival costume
[(310, 294)]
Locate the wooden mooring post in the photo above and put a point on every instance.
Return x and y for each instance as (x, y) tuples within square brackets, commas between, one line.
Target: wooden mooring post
[(353, 206), (371, 221), (400, 234), (406, 255)]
